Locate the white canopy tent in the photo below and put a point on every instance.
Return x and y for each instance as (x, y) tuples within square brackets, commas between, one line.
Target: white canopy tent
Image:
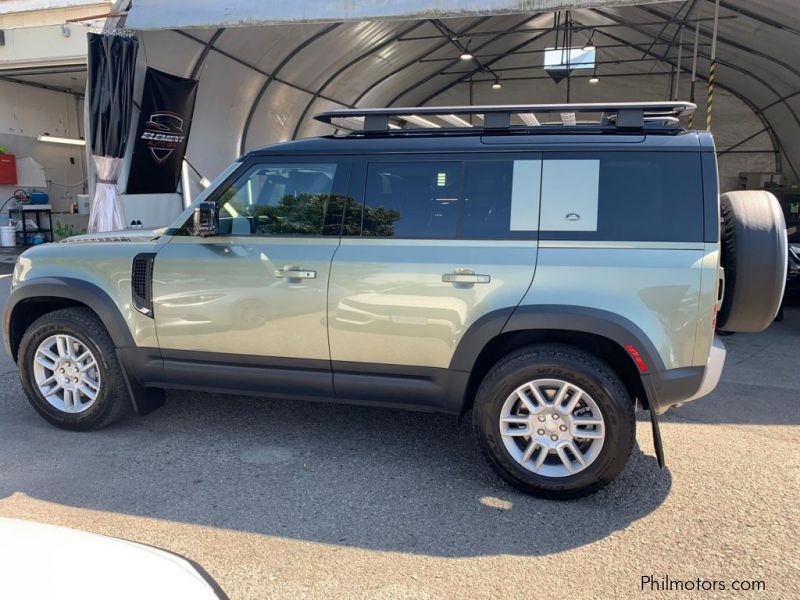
[(266, 67)]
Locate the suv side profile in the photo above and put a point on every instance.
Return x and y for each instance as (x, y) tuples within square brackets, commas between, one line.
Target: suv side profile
[(544, 275)]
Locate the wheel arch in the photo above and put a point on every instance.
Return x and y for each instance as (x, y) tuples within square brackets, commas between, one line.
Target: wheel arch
[(36, 297), (604, 334), (32, 299)]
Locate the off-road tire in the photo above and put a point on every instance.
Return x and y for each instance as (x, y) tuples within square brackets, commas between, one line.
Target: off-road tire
[(574, 366), (113, 400), (755, 258)]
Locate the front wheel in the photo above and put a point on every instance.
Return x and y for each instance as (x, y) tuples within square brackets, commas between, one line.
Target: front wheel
[(554, 421), (70, 372)]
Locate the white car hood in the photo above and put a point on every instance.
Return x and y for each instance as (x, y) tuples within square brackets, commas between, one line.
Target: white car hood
[(44, 562)]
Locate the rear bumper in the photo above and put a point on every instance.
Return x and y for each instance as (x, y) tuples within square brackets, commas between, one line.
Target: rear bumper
[(676, 386), (713, 370)]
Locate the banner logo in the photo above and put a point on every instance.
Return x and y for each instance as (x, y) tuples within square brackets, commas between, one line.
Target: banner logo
[(163, 133)]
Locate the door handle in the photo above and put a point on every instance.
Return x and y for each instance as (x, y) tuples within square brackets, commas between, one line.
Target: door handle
[(292, 272), (463, 277)]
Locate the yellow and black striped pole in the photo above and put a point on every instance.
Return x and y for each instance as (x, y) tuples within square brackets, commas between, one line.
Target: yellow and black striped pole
[(710, 95), (694, 72), (712, 69)]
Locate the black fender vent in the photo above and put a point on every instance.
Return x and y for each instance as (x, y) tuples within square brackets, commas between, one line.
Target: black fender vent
[(142, 283)]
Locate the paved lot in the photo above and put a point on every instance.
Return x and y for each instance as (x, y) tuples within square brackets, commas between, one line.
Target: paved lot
[(282, 500)]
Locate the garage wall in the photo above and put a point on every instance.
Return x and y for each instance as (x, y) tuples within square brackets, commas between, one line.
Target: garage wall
[(27, 112)]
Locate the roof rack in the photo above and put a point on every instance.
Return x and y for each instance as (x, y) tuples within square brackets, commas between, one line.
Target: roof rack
[(618, 116)]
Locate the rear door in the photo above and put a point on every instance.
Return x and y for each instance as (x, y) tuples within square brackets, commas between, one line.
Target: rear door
[(431, 244)]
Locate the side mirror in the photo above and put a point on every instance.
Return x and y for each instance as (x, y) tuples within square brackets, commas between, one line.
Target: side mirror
[(206, 219)]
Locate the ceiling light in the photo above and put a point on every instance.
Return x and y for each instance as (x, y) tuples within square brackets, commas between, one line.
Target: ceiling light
[(61, 140), (529, 119), (497, 85), (590, 44), (455, 120), (420, 121), (205, 182), (466, 55), (594, 79)]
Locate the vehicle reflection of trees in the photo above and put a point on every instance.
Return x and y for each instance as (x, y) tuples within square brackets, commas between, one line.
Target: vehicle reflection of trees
[(315, 214)]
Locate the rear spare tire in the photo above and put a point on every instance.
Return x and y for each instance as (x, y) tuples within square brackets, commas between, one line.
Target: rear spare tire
[(754, 256)]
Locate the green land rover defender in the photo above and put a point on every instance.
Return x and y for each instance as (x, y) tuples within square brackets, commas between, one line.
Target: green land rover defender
[(545, 267)]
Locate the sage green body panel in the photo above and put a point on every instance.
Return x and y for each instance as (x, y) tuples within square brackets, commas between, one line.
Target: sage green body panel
[(389, 305), (106, 265), (221, 294), (652, 284), (386, 301)]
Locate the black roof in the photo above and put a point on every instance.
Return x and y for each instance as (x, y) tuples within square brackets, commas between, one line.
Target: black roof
[(483, 142)]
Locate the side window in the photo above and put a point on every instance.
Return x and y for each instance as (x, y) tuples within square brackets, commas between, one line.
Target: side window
[(622, 196), (412, 200), (282, 199), (501, 198)]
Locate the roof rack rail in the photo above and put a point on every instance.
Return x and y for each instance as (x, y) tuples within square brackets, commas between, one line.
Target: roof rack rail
[(621, 116)]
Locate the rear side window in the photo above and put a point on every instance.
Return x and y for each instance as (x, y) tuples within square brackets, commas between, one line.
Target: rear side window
[(412, 200), (622, 196), (469, 199)]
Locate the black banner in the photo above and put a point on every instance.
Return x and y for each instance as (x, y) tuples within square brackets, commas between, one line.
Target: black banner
[(162, 134)]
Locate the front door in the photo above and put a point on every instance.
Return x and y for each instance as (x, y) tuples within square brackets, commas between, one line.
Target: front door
[(249, 305)]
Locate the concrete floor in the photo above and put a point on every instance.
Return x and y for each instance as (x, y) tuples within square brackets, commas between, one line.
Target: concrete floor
[(293, 500)]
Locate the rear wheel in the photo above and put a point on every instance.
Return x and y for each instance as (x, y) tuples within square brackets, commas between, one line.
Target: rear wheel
[(554, 421), (70, 372)]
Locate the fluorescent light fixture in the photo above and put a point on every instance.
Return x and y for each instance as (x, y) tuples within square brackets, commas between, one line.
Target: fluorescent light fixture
[(420, 121), (594, 79), (466, 55), (590, 44), (497, 85), (455, 120), (61, 140), (529, 119), (568, 118), (205, 182)]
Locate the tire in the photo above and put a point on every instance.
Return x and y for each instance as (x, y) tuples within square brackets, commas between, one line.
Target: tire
[(754, 256), (112, 400), (551, 362)]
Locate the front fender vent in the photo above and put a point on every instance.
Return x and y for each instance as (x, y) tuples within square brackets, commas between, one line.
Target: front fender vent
[(142, 283)]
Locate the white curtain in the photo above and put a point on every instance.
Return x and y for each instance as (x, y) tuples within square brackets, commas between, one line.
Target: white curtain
[(107, 213)]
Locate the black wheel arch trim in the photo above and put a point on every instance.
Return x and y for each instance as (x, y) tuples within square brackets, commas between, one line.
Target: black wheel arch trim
[(541, 317), (76, 290), (92, 296), (663, 387)]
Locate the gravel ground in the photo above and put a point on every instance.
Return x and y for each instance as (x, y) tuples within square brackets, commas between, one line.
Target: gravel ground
[(298, 500)]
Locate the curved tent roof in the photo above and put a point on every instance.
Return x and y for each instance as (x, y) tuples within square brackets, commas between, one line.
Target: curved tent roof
[(267, 67)]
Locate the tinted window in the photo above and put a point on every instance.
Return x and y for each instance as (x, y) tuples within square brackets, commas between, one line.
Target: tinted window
[(412, 200), (501, 198), (473, 199), (281, 199), (622, 196)]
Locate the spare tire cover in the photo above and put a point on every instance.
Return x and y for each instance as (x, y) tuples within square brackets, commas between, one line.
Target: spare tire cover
[(754, 256)]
